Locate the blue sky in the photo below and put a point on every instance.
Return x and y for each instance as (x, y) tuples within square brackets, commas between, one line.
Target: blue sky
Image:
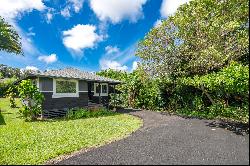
[(86, 34)]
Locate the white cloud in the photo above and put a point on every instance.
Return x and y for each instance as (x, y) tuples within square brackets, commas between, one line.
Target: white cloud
[(169, 7), (31, 33), (65, 12), (117, 10), (48, 59), (49, 15), (77, 4), (116, 59), (111, 50), (81, 37), (135, 65), (10, 9), (72, 6), (157, 23), (31, 68), (109, 64)]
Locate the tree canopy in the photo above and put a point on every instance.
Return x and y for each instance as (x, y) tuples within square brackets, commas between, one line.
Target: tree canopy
[(9, 38), (202, 36)]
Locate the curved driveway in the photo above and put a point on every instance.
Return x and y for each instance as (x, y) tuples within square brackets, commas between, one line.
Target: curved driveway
[(170, 140)]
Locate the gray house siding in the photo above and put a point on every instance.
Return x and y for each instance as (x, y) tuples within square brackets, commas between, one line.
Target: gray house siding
[(64, 102), (53, 107)]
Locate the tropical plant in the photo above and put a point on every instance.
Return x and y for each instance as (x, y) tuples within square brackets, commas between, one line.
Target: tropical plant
[(5, 84), (78, 113), (9, 38), (31, 99), (138, 90), (11, 94)]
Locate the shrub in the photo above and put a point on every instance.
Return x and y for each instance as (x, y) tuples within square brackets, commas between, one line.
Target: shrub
[(31, 99), (78, 113), (11, 94), (5, 84), (219, 94)]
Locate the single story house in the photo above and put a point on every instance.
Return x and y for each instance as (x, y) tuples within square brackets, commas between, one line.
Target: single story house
[(70, 88)]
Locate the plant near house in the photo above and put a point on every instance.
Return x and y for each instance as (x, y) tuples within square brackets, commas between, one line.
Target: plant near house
[(78, 113), (32, 99), (11, 94)]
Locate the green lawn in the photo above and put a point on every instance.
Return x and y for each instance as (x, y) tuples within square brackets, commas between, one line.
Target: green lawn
[(35, 142)]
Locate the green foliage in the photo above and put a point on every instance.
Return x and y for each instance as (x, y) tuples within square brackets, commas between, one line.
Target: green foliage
[(222, 94), (10, 72), (138, 90), (9, 39), (27, 143), (85, 113), (32, 99), (5, 84), (203, 36), (201, 55), (114, 74), (11, 94), (230, 81)]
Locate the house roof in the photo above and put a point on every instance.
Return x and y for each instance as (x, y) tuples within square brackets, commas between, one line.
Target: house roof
[(73, 73)]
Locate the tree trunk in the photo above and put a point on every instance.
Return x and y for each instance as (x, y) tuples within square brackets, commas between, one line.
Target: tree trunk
[(208, 96)]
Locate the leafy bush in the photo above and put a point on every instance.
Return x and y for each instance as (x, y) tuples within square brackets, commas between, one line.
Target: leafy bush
[(5, 84), (78, 113), (11, 94), (32, 99), (137, 91), (221, 94), (230, 80)]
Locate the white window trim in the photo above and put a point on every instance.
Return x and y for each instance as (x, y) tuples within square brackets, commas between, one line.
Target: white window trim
[(37, 84), (60, 95), (101, 94), (83, 91)]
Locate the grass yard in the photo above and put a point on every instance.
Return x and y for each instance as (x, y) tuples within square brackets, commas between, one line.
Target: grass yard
[(35, 142)]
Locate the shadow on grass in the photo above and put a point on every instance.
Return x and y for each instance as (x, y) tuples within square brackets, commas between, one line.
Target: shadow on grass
[(2, 121), (236, 127)]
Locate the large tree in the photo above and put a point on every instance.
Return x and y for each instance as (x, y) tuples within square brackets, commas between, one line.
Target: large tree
[(202, 36), (9, 38)]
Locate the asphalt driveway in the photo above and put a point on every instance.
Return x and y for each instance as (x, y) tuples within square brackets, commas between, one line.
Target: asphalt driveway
[(170, 140)]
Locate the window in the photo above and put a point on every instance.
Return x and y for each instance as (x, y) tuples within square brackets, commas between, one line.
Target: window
[(104, 88), (65, 88), (101, 88), (97, 89)]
